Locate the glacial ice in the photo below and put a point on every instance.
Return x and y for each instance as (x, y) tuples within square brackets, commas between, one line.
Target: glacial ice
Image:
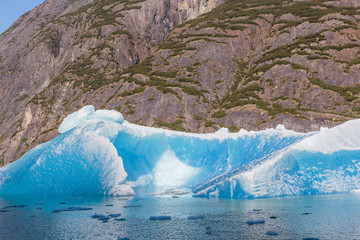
[(87, 113), (81, 161), (98, 152), (195, 217), (252, 222), (271, 233), (324, 162), (160, 218)]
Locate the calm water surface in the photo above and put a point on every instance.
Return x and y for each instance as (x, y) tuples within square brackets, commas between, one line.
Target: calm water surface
[(325, 217)]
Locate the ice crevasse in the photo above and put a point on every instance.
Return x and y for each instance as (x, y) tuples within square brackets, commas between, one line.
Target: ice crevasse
[(98, 152)]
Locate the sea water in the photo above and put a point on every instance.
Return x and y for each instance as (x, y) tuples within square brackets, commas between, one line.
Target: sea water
[(332, 216)]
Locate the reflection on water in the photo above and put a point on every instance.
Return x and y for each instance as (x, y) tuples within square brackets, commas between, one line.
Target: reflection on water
[(324, 217)]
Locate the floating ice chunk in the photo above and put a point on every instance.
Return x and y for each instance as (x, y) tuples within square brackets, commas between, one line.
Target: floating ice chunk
[(160, 218), (14, 206), (120, 219), (271, 233), (132, 206), (72, 209), (252, 222), (196, 217), (97, 215)]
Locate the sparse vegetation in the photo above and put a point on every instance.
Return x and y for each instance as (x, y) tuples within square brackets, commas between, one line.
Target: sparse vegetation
[(233, 129), (209, 123), (219, 114), (349, 93), (133, 92), (176, 125)]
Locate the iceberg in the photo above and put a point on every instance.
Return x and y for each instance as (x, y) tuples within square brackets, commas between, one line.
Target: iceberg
[(98, 152)]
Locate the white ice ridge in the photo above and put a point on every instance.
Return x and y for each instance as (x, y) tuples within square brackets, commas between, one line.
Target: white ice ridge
[(88, 113), (100, 153), (343, 137)]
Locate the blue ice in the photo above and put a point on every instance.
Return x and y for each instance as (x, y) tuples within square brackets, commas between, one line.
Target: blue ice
[(98, 152)]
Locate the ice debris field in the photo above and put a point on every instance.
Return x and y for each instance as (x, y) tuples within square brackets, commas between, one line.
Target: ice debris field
[(98, 152)]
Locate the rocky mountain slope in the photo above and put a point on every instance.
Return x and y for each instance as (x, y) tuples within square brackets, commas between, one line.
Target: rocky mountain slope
[(190, 65), (96, 38)]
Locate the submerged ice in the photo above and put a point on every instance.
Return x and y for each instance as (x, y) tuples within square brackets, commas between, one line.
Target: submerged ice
[(98, 152)]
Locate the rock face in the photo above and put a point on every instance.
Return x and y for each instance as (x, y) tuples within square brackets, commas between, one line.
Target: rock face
[(100, 38), (194, 65)]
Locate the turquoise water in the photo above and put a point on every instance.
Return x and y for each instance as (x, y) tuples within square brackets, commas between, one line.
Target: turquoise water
[(335, 216)]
